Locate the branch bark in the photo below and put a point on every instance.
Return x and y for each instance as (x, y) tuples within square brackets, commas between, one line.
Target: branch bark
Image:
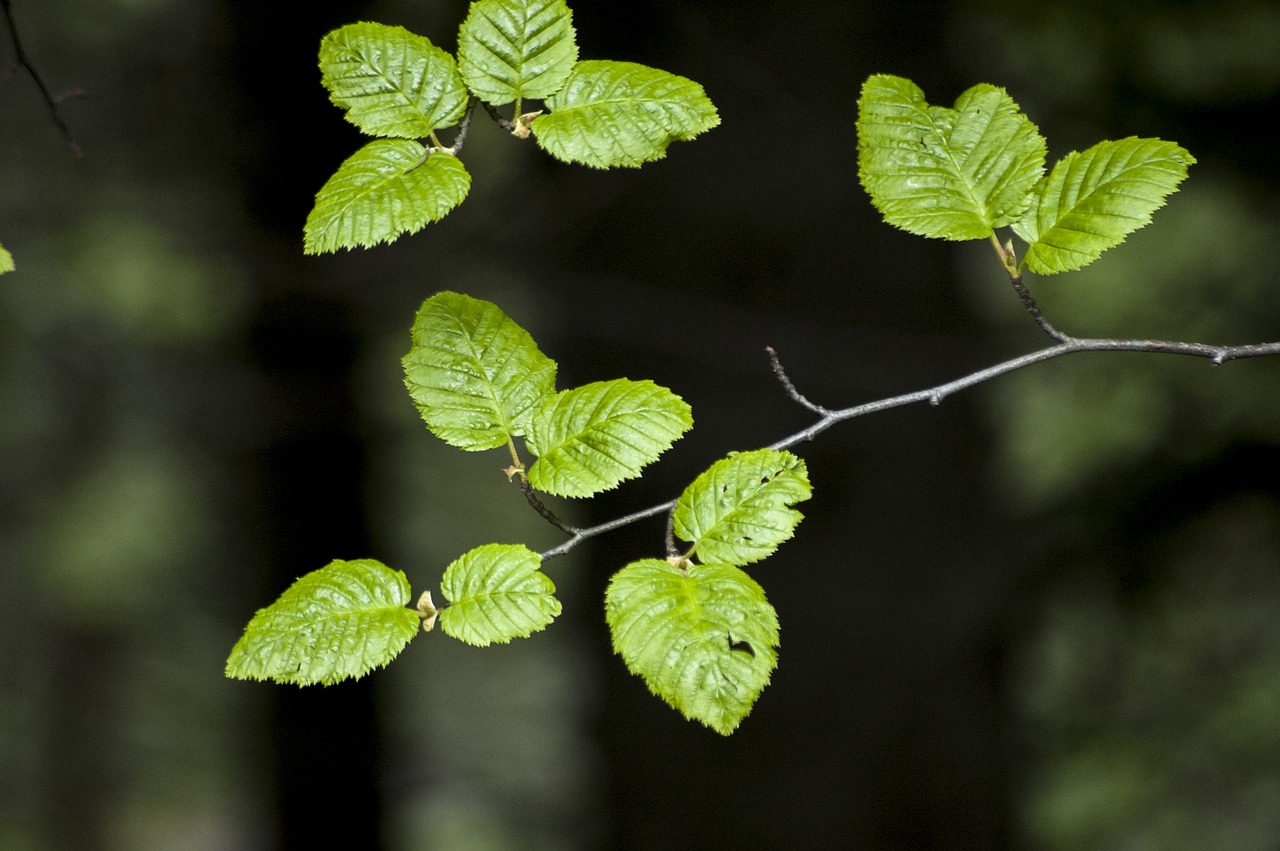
[(934, 395)]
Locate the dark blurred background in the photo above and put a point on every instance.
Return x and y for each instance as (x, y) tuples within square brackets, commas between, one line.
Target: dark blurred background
[(1040, 616)]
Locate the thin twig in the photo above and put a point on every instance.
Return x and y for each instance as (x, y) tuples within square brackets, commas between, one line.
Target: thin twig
[(934, 395), (1034, 309), (672, 549), (545, 513), (21, 58), (791, 388), (461, 138), (590, 532), (497, 117)]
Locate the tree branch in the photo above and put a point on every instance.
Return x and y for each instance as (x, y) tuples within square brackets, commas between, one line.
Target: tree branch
[(934, 395), (21, 59)]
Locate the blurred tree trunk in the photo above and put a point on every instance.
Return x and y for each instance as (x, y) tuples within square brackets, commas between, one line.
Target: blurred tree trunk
[(325, 744)]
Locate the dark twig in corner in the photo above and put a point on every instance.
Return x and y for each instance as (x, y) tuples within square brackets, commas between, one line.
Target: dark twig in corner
[(21, 59)]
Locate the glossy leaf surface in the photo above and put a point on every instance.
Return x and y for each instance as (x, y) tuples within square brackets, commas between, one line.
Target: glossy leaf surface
[(622, 114), (497, 593), (390, 81), (1092, 200), (739, 510), (946, 173), (591, 438), (705, 642), (336, 623), (387, 188), (515, 49)]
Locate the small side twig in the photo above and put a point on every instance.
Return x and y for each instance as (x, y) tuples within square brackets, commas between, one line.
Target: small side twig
[(795, 394), (1034, 309), (509, 126), (21, 59), (463, 127), (545, 513)]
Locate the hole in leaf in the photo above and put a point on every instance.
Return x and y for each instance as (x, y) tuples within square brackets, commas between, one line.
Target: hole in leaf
[(741, 647)]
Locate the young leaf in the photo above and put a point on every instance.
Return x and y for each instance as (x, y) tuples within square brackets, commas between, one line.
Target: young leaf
[(6, 261), (704, 641), (738, 511), (591, 438), (474, 374), (946, 173), (338, 622), (621, 114), (515, 49), (1092, 200), (390, 81), (497, 593), (387, 188)]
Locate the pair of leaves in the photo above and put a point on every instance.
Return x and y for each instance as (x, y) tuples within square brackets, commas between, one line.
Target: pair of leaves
[(350, 617), (479, 380), (399, 86), (961, 173), (703, 637)]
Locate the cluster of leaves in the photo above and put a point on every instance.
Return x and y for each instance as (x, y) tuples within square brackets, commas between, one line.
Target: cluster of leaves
[(960, 173), (694, 626), (402, 89)]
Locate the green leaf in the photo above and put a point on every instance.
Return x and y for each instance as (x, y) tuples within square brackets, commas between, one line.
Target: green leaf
[(339, 622), (704, 641), (390, 81), (621, 114), (946, 173), (6, 261), (497, 593), (738, 511), (591, 438), (1093, 199), (387, 188), (474, 374), (514, 49)]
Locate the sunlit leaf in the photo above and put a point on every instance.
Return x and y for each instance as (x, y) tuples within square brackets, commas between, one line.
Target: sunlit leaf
[(591, 438), (621, 114), (390, 81), (511, 49), (738, 511), (497, 593), (336, 623), (6, 261), (387, 188), (473, 373), (947, 173), (1093, 199), (704, 641)]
